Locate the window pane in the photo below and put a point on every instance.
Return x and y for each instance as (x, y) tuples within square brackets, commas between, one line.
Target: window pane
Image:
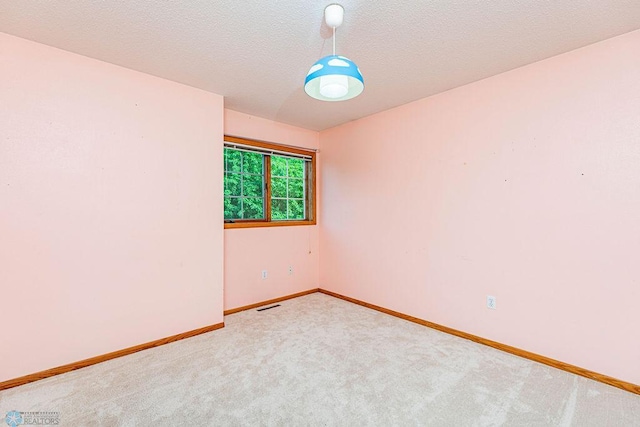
[(232, 160), (232, 184), (278, 209), (278, 166), (252, 163), (296, 168), (279, 187), (243, 185), (231, 208), (253, 207), (296, 188), (296, 209), (287, 183), (252, 185)]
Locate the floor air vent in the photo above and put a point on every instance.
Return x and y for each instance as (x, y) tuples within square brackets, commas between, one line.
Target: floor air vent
[(268, 308)]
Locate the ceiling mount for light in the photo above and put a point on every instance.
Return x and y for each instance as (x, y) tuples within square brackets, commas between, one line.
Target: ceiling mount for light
[(334, 78)]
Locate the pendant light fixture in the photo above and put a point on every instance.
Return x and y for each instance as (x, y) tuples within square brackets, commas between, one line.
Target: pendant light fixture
[(334, 78)]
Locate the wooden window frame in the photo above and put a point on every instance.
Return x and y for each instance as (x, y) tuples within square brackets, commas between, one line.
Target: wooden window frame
[(310, 201)]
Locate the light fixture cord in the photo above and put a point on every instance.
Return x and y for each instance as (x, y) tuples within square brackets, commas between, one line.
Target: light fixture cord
[(334, 41)]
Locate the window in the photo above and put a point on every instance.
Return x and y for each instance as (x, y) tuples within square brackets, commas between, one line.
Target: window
[(267, 184)]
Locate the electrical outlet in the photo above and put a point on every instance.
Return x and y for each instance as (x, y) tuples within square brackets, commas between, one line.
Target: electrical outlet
[(290, 270), (491, 302), (264, 274)]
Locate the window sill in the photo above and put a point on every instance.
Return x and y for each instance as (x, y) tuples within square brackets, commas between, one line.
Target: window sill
[(256, 224)]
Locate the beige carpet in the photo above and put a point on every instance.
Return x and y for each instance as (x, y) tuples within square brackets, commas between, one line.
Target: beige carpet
[(320, 361)]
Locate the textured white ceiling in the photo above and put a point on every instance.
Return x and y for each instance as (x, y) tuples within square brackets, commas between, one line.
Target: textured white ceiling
[(257, 53)]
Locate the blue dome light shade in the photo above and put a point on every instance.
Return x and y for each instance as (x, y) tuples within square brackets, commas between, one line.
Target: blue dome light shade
[(334, 78)]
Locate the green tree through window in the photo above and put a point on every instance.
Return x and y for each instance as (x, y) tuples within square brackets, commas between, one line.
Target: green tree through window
[(243, 185), (263, 187), (287, 188)]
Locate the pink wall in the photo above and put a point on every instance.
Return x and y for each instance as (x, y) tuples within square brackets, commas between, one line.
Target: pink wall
[(249, 251), (111, 207), (525, 186)]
